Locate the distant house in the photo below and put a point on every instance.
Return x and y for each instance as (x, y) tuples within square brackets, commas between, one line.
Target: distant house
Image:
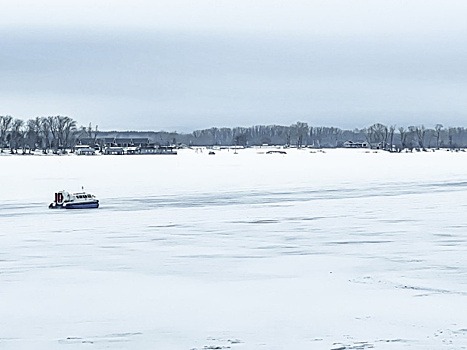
[(88, 141), (166, 150), (131, 150), (352, 144), (147, 150), (114, 150), (114, 141), (156, 150), (130, 142), (84, 150), (107, 141)]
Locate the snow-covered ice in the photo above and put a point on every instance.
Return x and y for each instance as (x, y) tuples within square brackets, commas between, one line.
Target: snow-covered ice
[(346, 249)]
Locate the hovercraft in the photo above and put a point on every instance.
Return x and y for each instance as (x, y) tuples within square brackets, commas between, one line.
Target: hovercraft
[(79, 200)]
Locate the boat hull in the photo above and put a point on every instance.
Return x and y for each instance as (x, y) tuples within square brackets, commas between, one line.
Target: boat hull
[(79, 205), (87, 205)]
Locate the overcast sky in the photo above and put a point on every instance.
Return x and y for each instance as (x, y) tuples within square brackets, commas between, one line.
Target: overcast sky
[(183, 65)]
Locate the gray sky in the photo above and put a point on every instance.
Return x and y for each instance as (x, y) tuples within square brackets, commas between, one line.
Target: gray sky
[(182, 65)]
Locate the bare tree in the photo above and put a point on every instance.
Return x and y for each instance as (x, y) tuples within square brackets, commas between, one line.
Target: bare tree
[(288, 136), (5, 122), (32, 138), (377, 135), (17, 135), (310, 137), (300, 131), (69, 131), (451, 134), (45, 134), (403, 137), (54, 130), (420, 132), (392, 128), (438, 130), (411, 138)]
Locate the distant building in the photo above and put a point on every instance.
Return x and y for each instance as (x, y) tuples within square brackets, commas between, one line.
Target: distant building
[(84, 150), (129, 142), (114, 150), (147, 150), (115, 141), (121, 145), (352, 144), (132, 150), (88, 142), (156, 150)]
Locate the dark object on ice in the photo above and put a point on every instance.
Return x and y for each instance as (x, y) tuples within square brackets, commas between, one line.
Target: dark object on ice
[(80, 200), (276, 152), (211, 153)]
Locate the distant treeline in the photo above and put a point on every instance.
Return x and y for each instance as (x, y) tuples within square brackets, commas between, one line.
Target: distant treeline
[(61, 132), (301, 134), (45, 133)]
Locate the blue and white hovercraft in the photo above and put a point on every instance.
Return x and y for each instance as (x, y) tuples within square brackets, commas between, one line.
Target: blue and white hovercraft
[(79, 200)]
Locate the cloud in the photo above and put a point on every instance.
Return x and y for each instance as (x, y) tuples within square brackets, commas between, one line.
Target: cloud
[(297, 17), (143, 80)]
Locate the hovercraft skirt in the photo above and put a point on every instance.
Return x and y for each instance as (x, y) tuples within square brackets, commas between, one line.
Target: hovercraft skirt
[(88, 205)]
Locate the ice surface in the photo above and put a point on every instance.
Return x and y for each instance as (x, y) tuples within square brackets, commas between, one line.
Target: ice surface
[(346, 249)]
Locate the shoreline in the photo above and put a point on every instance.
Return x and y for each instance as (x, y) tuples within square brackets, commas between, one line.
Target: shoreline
[(213, 149)]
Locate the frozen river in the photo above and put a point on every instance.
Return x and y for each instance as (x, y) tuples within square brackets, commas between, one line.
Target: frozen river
[(338, 250)]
